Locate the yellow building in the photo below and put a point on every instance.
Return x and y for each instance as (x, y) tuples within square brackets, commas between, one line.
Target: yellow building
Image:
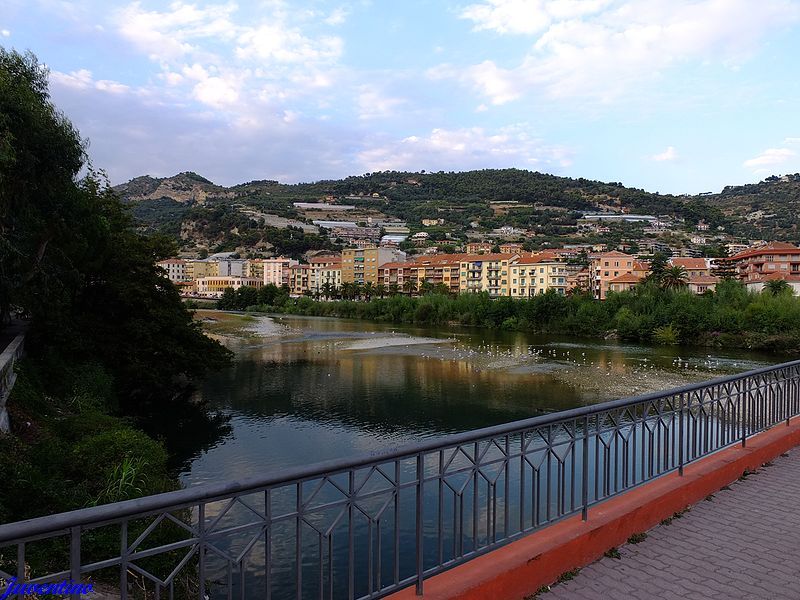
[(213, 287), (198, 269), (537, 274), (331, 275), (254, 268), (360, 265), (486, 273), (324, 269)]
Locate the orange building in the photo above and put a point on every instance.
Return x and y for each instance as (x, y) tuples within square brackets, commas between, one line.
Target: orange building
[(609, 266)]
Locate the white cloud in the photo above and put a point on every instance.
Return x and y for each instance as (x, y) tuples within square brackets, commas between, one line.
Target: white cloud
[(337, 16), (5, 32), (792, 140), (771, 157), (527, 16), (668, 155), (277, 42), (169, 35), (373, 104), (466, 148), (83, 80), (216, 92), (601, 49)]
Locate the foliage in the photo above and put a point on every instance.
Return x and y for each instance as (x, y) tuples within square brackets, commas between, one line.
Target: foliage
[(72, 259), (649, 313)]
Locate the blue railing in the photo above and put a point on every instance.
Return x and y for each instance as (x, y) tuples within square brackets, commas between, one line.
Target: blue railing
[(370, 526)]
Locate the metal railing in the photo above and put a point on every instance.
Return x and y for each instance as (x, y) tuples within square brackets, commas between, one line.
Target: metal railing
[(367, 527)]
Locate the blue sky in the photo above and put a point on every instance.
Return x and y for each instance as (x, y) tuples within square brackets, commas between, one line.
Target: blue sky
[(668, 95)]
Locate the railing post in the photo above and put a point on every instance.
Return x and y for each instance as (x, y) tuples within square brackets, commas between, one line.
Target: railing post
[(681, 420), (585, 485), (75, 559), (420, 523), (745, 402)]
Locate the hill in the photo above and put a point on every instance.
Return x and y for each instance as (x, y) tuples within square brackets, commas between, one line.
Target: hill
[(204, 215)]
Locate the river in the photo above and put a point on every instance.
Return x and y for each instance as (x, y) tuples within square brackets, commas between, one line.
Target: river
[(303, 389)]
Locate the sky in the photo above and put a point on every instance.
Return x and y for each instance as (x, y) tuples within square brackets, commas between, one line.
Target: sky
[(674, 96)]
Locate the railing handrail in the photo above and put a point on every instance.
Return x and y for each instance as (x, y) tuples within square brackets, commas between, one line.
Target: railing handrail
[(202, 493)]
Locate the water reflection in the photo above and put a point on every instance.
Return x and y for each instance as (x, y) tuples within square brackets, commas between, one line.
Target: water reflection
[(334, 388)]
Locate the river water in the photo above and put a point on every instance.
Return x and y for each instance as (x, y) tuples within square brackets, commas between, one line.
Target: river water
[(304, 390)]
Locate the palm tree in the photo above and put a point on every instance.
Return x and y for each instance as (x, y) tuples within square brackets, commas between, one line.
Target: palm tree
[(348, 290), (674, 278), (380, 289), (369, 289), (327, 290), (410, 286), (426, 288), (776, 287), (394, 289)]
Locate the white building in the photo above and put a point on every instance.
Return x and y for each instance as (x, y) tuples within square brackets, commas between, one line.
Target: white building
[(277, 270)]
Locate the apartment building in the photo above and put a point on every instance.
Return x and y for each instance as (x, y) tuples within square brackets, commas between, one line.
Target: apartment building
[(213, 287), (614, 267), (299, 280), (330, 275), (756, 264), (175, 269), (538, 274), (360, 265), (478, 248), (254, 268), (277, 271), (486, 273), (198, 269), (324, 269)]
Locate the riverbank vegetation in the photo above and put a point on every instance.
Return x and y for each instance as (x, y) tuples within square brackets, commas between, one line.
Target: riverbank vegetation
[(102, 408), (650, 313)]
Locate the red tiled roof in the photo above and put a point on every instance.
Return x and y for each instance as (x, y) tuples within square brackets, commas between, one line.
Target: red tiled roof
[(771, 248), (488, 257), (689, 263), (703, 280), (626, 278), (538, 258), (778, 275)]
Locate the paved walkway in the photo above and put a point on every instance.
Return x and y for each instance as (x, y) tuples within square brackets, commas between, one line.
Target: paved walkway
[(743, 543)]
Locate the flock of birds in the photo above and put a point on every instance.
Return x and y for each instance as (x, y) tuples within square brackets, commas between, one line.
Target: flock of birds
[(488, 354)]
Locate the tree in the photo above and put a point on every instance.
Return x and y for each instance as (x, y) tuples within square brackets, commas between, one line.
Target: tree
[(380, 290), (410, 286), (327, 290), (394, 289), (673, 278), (777, 287), (72, 258), (658, 266), (368, 290), (228, 299)]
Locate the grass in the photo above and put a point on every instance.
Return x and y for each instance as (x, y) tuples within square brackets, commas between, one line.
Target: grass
[(613, 553), (221, 323), (637, 538), (745, 474), (568, 575)]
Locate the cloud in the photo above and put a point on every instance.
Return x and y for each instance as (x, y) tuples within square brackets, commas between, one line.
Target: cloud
[(527, 16), (82, 80), (5, 32), (668, 155), (792, 140), (466, 148), (771, 157), (374, 104), (602, 50)]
